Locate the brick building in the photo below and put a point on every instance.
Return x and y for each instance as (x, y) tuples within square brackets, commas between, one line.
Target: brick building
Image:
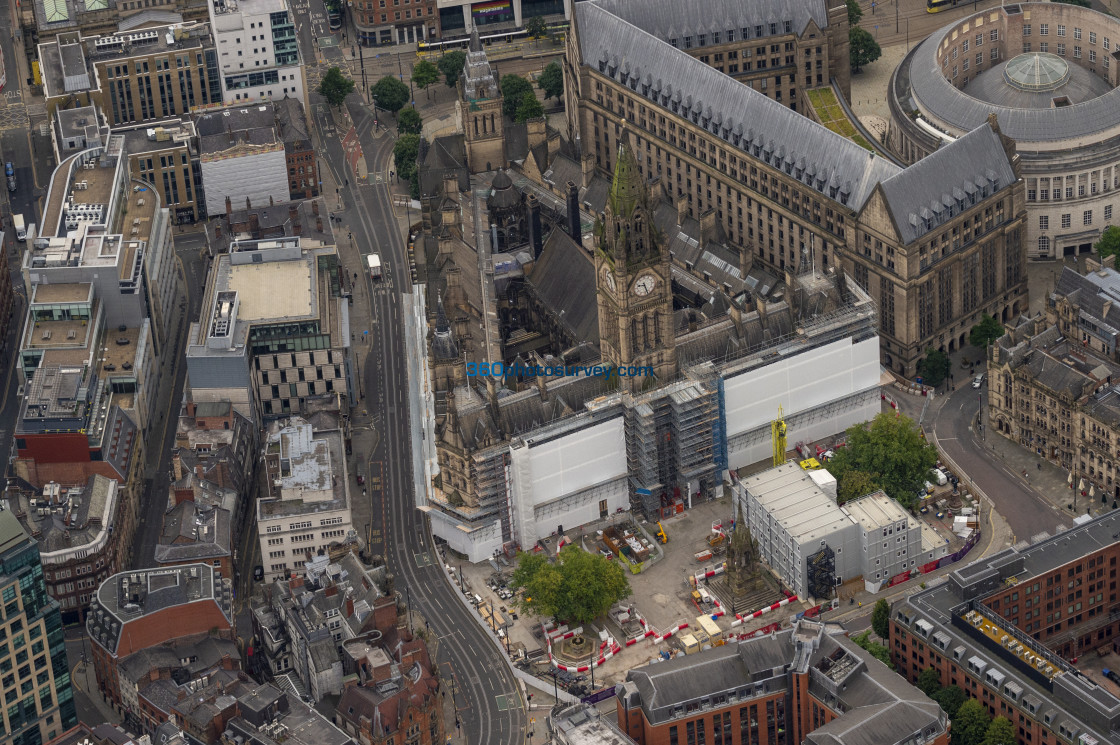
[(383, 23), (84, 535), (1003, 627), (303, 166), (808, 684), (137, 610)]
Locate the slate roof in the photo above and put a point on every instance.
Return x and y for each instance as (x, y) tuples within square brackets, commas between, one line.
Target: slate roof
[(563, 279), (667, 19), (743, 117), (824, 161), (960, 110), (949, 180), (1096, 294)]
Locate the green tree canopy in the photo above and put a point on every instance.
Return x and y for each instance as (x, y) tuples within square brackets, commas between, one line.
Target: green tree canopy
[(894, 447), (552, 80), (1000, 732), (536, 28), (425, 74), (404, 154), (856, 484), (985, 332), (929, 682), (878, 651), (881, 619), (1109, 242), (970, 724), (529, 108), (862, 48), (578, 588), (409, 121), (335, 87), (389, 93), (950, 699), (854, 12), (513, 91), (934, 367), (451, 65)]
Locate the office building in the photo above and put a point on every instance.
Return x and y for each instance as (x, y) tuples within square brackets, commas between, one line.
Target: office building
[(935, 244), (307, 507), (258, 54), (809, 684), (402, 23), (132, 75), (275, 321), (1003, 627), (84, 535), (39, 684)]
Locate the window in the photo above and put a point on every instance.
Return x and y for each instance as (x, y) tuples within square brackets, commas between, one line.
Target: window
[(1044, 47), (1043, 222), (1044, 29), (964, 45), (995, 53), (1026, 29), (1065, 220), (1107, 212), (979, 40), (1087, 217), (1062, 50), (1077, 33), (979, 58), (993, 35), (1092, 37), (1092, 55)]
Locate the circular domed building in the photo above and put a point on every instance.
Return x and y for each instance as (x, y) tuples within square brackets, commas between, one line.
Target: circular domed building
[(1049, 72)]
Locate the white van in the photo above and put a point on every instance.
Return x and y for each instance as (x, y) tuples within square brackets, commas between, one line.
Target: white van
[(20, 227), (373, 263)]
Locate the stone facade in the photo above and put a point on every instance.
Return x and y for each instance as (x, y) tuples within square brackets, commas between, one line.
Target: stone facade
[(934, 251)]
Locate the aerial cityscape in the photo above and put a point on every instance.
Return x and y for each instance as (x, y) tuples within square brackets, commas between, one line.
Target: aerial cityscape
[(560, 372)]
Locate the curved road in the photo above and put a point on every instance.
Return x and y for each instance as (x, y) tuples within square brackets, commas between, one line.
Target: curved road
[(1027, 512), (486, 694)]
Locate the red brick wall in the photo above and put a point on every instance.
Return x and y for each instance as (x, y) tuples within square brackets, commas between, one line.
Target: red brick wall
[(648, 734), (55, 448), (170, 623)]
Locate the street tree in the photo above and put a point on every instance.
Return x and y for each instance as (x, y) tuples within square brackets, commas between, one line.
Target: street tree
[(552, 81), (862, 48), (389, 93), (854, 12), (985, 332), (536, 28), (577, 588), (881, 619), (934, 367), (970, 724), (1000, 732), (892, 446), (405, 152), (514, 88), (950, 699), (335, 87), (529, 108), (856, 484), (1109, 242), (451, 65), (425, 74), (929, 681), (875, 649), (409, 121)]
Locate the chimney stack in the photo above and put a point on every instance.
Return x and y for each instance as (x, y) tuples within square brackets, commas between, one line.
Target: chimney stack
[(535, 241), (315, 206), (319, 224), (575, 230), (293, 213)]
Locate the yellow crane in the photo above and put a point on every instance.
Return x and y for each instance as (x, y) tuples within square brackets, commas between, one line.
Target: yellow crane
[(778, 435), (661, 536)]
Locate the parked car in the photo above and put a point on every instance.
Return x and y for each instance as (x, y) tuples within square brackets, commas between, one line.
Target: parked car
[(258, 572), (10, 172), (978, 381)]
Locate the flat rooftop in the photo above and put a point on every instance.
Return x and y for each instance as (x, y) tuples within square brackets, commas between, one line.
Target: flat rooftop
[(62, 334), (275, 290), (876, 510), (796, 503), (315, 469), (64, 292)]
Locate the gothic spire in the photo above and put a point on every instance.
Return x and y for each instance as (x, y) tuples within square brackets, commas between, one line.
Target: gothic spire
[(627, 187), (475, 43)]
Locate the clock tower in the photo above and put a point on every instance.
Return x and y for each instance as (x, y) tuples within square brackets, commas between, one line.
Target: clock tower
[(632, 277)]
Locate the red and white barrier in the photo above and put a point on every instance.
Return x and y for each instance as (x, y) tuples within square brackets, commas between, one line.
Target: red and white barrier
[(781, 603)]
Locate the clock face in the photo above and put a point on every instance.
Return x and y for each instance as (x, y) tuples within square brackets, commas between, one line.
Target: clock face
[(608, 278), (645, 285)]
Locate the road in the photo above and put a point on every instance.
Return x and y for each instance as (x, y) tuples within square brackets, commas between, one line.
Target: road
[(485, 693), (188, 249), (1025, 511)]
